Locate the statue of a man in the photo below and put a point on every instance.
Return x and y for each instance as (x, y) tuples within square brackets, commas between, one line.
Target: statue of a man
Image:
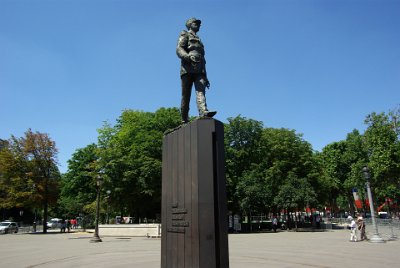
[(190, 50)]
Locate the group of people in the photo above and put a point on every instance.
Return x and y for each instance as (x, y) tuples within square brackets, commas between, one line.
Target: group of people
[(357, 225), (66, 225)]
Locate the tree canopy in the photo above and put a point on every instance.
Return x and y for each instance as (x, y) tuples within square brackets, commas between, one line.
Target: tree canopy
[(129, 153), (267, 169), (28, 172)]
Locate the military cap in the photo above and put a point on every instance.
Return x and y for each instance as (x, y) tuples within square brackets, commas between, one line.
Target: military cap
[(190, 21)]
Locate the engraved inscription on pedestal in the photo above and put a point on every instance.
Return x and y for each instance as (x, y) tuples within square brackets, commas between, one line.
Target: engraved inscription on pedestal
[(178, 222)]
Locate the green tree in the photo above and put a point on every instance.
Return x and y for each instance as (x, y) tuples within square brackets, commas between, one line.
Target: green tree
[(289, 162), (295, 194), (242, 140), (263, 163), (253, 193), (78, 192), (129, 154), (15, 186), (29, 173), (342, 163), (382, 144)]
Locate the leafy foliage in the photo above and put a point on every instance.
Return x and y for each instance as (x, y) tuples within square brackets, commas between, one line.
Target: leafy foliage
[(262, 164), (29, 174), (78, 183), (130, 155), (378, 148), (382, 143), (242, 140), (267, 169), (342, 162)]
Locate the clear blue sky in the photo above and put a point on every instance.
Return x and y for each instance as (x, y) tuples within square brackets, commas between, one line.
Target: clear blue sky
[(318, 67)]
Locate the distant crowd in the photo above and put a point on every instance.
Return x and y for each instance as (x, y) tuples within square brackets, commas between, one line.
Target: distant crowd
[(66, 225)]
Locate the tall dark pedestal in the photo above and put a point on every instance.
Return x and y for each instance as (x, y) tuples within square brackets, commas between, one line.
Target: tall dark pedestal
[(194, 212)]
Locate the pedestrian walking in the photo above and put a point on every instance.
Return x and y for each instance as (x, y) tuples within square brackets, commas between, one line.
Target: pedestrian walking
[(353, 225)]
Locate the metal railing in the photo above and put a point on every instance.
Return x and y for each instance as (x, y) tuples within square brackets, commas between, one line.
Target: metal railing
[(389, 229)]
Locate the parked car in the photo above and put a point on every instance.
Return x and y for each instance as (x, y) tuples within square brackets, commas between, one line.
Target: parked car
[(54, 223), (383, 215), (8, 227)]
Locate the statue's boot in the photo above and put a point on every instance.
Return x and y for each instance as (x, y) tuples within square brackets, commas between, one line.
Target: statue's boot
[(209, 114)]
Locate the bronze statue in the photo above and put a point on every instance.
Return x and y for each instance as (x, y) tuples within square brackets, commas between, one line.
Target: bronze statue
[(190, 50)]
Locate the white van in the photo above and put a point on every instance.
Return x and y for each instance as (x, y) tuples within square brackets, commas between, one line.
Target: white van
[(54, 223)]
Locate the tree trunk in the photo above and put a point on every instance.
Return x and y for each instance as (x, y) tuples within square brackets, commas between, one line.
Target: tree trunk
[(45, 211), (351, 205), (45, 206)]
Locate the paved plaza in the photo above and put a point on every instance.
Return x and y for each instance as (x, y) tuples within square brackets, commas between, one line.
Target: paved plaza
[(282, 249)]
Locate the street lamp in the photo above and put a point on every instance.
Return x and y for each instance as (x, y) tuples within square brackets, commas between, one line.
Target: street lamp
[(108, 204), (375, 237), (96, 238)]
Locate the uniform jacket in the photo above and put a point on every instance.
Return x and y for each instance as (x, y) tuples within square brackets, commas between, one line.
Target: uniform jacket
[(190, 44)]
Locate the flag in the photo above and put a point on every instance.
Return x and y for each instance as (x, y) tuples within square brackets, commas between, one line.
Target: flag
[(357, 200)]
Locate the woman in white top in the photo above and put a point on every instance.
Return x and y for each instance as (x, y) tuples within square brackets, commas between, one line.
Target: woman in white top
[(353, 225)]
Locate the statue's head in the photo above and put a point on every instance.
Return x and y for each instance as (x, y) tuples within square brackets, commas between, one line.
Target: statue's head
[(190, 21)]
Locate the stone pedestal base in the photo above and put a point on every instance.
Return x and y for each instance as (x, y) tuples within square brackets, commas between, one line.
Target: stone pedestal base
[(194, 212)]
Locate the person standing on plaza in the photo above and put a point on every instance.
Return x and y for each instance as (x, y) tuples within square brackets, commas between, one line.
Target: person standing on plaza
[(274, 224), (361, 227), (63, 226), (318, 221), (74, 223), (353, 225), (68, 225), (190, 50)]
